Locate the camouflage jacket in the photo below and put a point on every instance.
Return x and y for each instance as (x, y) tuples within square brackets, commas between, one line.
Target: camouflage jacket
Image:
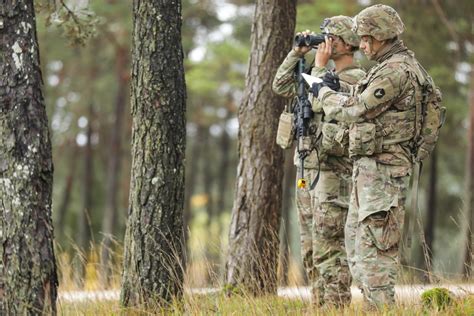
[(387, 97), (285, 84)]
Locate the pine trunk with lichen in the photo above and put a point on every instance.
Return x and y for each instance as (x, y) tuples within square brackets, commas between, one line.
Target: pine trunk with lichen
[(154, 262), (253, 237), (28, 280)]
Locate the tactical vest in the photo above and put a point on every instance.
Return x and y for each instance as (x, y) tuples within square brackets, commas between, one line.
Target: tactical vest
[(331, 139), (397, 124)]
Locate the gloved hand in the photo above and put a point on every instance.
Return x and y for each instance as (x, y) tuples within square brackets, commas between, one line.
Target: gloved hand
[(316, 87), (330, 80)]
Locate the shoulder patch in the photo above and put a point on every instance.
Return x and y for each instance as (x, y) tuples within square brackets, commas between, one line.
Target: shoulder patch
[(379, 93)]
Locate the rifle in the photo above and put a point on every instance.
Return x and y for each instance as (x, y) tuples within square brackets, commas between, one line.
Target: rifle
[(303, 115)]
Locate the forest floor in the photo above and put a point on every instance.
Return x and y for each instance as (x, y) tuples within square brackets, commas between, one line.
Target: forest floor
[(290, 301)]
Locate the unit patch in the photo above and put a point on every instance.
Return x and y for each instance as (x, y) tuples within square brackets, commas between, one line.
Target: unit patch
[(379, 93)]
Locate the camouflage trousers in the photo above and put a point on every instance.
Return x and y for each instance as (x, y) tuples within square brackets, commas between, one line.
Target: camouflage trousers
[(322, 214), (373, 229)]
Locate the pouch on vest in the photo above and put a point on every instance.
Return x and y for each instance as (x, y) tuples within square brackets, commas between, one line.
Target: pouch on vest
[(362, 139), (335, 139), (432, 119), (286, 130)]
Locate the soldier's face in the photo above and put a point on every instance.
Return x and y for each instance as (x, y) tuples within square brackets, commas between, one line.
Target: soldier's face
[(370, 46), (338, 46)]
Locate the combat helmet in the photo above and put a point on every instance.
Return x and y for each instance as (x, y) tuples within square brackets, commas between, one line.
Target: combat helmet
[(341, 26), (380, 21)]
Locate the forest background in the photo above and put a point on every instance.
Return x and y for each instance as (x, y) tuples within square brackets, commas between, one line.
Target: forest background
[(87, 96)]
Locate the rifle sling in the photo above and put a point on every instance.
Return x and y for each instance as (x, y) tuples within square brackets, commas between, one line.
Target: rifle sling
[(414, 203)]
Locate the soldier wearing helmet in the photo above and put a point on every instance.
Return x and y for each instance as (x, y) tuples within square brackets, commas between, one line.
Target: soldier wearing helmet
[(322, 210), (340, 28), (384, 111), (377, 25)]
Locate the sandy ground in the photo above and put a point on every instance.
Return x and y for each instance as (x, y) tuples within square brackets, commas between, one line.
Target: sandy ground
[(405, 293)]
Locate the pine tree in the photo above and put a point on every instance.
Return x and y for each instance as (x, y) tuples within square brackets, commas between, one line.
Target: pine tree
[(28, 280), (253, 238), (154, 241)]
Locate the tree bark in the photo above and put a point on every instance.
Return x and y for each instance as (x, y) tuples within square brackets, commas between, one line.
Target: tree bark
[(154, 262), (28, 279), (253, 236)]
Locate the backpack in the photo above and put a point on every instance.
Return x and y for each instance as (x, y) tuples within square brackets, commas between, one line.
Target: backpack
[(429, 119), (430, 114)]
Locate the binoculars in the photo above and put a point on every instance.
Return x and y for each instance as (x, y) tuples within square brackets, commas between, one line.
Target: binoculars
[(309, 40)]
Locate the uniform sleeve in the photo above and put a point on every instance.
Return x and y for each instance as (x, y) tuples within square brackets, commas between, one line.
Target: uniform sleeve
[(348, 78), (315, 104), (378, 94), (284, 83)]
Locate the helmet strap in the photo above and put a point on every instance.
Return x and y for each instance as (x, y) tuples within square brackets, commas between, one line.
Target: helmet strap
[(373, 53)]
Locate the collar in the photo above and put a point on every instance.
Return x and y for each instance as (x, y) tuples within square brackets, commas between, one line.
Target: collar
[(389, 50)]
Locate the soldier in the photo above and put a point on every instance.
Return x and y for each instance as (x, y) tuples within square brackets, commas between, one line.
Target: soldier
[(383, 110), (322, 211)]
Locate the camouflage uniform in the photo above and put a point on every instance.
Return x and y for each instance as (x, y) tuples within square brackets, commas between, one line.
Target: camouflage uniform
[(381, 111), (322, 211)]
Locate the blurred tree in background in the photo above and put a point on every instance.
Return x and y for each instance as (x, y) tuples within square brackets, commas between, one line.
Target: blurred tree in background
[(254, 228), (87, 98)]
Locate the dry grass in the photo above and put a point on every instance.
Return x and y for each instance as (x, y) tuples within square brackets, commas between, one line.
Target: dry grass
[(219, 304), (203, 273)]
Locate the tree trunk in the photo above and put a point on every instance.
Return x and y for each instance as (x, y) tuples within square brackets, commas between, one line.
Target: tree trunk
[(84, 222), (253, 235), (111, 213), (208, 179), (208, 184), (66, 198), (84, 230), (223, 175), (285, 232), (191, 179), (154, 262), (28, 279), (467, 270)]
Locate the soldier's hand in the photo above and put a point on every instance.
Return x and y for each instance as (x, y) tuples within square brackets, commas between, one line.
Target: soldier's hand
[(331, 80), (302, 50), (316, 87), (323, 54)]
